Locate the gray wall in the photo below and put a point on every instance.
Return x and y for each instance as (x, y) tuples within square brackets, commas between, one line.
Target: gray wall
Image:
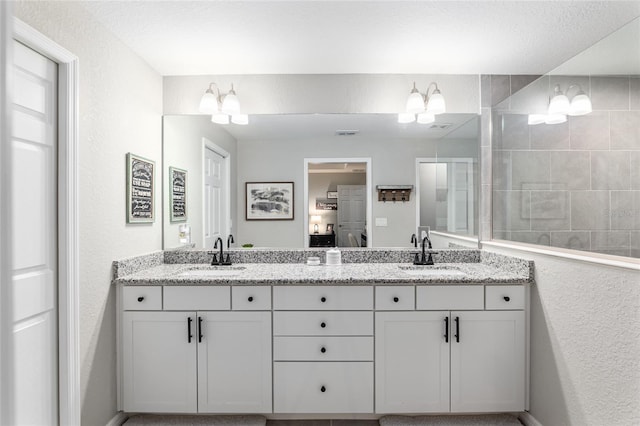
[(182, 148)]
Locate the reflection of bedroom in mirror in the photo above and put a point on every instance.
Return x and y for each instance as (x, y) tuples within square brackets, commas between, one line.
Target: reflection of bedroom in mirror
[(336, 203)]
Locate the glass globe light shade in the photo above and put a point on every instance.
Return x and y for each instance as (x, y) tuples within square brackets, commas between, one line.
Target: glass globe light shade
[(559, 105), (241, 119), (405, 117), (426, 118), (580, 104), (209, 103), (231, 104), (536, 119), (415, 102), (555, 118), (436, 103), (220, 118)]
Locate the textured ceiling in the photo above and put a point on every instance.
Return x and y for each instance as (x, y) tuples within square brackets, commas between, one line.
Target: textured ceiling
[(336, 37)]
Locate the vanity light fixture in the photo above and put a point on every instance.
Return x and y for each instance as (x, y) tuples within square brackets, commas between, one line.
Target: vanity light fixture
[(224, 108), (560, 106), (425, 106)]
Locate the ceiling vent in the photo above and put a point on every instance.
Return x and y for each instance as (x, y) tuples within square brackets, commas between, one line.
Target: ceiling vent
[(347, 132), (440, 126)]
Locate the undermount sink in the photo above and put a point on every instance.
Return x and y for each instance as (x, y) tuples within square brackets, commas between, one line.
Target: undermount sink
[(212, 271), (432, 270)]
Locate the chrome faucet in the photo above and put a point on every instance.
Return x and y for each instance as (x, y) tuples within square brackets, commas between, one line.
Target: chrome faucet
[(423, 259), (222, 261)]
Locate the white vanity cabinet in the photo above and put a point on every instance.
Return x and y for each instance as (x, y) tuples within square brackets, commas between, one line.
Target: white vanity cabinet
[(190, 361), (323, 349), (458, 358)]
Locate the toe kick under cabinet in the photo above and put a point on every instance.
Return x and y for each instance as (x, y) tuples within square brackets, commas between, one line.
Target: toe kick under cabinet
[(335, 349)]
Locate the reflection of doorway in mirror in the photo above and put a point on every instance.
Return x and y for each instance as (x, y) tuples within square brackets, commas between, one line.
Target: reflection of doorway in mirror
[(216, 193), (446, 194), (326, 176)]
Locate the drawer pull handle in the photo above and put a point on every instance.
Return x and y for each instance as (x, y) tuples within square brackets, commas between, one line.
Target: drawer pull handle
[(506, 298), (396, 299), (323, 389), (323, 349), (189, 335), (250, 298), (323, 324), (200, 330), (323, 299), (457, 335), (140, 299)]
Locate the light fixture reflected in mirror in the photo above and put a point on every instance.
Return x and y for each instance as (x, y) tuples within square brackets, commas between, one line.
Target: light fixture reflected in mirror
[(560, 106), (224, 108), (424, 106)]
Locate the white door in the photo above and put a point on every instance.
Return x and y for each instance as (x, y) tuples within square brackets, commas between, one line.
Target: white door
[(234, 362), (159, 362), (487, 363), (215, 196), (34, 209), (352, 213), (412, 362)]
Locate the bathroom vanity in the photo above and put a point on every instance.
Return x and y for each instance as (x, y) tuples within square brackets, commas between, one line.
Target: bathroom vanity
[(358, 339)]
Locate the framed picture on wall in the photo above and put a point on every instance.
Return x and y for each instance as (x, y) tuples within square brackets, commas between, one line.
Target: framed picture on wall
[(178, 194), (332, 194), (326, 204), (140, 187), (269, 201)]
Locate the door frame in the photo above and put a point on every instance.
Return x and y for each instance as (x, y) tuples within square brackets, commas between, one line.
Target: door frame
[(207, 144), (69, 391), (305, 188)]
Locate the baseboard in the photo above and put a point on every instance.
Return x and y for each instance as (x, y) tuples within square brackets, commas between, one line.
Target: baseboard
[(528, 420), (118, 419)]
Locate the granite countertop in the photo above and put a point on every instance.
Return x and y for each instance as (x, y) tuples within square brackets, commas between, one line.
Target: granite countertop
[(347, 273)]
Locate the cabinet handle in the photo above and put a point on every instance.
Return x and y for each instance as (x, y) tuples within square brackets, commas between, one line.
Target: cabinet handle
[(199, 329), (140, 299), (323, 349), (446, 329), (189, 336), (323, 324), (323, 389), (250, 298), (506, 298), (457, 335), (323, 299), (396, 299)]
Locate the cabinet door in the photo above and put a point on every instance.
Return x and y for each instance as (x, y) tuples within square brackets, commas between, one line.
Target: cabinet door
[(488, 361), (159, 362), (234, 362), (412, 362)]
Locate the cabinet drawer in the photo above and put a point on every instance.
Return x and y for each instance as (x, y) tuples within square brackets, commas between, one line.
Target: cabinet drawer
[(196, 298), (505, 297), (142, 298), (251, 298), (340, 323), (395, 298), (323, 348), (323, 298), (323, 387), (442, 298)]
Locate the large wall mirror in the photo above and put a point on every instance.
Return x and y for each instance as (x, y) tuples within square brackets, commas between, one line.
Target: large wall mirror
[(273, 148)]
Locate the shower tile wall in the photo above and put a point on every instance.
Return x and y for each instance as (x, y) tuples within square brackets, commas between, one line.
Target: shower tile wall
[(573, 185)]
